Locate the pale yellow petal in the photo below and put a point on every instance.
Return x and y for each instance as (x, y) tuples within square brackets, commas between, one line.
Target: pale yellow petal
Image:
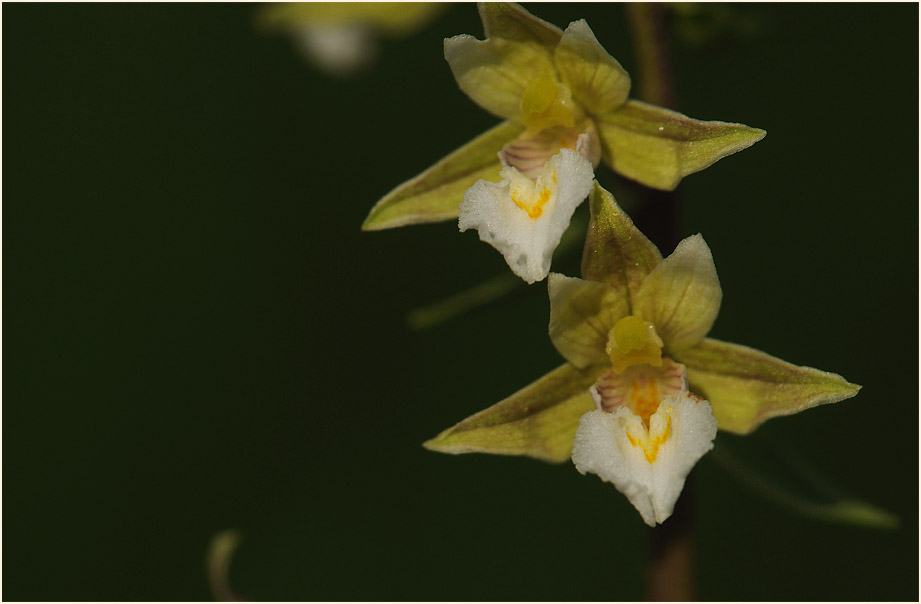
[(495, 72), (512, 22), (582, 314), (596, 79), (681, 296)]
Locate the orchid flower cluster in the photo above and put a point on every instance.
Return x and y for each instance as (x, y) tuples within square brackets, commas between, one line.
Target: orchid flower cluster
[(643, 390)]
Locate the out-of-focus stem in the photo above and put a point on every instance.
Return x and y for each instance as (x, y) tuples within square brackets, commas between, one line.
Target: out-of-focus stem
[(659, 211), (461, 302), (670, 573), (650, 46), (491, 290), (840, 508)]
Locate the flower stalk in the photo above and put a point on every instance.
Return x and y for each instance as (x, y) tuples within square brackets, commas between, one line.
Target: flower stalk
[(670, 569)]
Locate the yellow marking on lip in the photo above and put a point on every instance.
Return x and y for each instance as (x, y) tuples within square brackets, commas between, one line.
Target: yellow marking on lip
[(644, 397), (534, 209), (649, 445)]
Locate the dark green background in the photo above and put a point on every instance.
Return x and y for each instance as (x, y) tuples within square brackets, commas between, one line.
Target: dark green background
[(198, 336)]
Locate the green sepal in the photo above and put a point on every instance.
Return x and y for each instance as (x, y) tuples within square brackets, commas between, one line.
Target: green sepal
[(582, 314), (538, 421), (512, 22), (435, 195), (746, 387), (658, 147), (616, 252)]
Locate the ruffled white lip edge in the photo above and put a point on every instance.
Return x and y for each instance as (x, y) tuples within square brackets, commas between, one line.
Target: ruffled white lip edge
[(528, 243), (602, 447)]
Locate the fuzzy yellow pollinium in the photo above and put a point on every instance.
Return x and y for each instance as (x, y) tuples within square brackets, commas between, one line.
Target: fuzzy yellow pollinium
[(552, 121), (632, 341), (547, 104)]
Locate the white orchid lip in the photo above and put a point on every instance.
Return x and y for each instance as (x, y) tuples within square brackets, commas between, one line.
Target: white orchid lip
[(524, 218), (646, 461)]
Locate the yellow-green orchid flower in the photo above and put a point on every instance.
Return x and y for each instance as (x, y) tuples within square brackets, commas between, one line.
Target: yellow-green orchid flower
[(643, 390), (552, 87), (342, 37)]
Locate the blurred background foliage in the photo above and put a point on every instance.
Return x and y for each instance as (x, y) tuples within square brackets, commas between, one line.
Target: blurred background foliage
[(199, 337)]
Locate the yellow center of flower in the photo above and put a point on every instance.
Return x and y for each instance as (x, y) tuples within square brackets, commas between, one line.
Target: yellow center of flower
[(644, 395), (632, 341), (532, 195), (649, 440), (547, 103), (640, 388), (530, 201), (630, 333)]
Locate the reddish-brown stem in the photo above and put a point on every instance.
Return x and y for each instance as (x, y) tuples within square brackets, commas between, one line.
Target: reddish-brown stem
[(649, 26), (670, 573)]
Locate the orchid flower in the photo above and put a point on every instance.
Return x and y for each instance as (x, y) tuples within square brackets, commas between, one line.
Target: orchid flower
[(553, 89), (341, 38), (643, 390)]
